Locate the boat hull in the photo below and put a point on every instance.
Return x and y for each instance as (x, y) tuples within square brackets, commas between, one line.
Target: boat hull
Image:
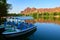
[(2, 30), (19, 33)]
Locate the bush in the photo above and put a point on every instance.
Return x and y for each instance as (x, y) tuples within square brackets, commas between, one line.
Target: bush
[(2, 20)]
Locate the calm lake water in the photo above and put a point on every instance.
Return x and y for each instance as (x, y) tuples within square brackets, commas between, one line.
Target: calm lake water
[(47, 29)]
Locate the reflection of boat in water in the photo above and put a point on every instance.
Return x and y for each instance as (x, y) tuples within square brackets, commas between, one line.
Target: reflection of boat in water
[(16, 26)]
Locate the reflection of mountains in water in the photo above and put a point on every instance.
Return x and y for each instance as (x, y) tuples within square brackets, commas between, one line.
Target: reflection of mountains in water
[(22, 37), (45, 20)]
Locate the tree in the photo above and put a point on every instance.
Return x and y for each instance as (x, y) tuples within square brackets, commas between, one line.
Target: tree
[(55, 13), (4, 6)]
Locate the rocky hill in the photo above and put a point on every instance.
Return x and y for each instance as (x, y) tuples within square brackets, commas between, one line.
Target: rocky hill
[(40, 10)]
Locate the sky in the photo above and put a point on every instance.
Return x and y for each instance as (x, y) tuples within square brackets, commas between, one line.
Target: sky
[(20, 5)]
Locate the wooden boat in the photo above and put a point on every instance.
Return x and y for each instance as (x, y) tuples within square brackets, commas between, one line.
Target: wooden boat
[(18, 28)]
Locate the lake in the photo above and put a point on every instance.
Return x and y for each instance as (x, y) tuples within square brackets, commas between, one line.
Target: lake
[(47, 29)]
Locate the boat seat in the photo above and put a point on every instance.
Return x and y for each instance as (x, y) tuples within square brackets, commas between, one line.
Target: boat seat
[(9, 23), (30, 25), (21, 26), (24, 27), (5, 23)]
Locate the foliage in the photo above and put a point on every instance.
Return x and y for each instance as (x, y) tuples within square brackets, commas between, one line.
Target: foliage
[(4, 6), (15, 14), (45, 14), (34, 15)]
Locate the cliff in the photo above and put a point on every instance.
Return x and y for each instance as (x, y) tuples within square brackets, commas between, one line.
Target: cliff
[(40, 10)]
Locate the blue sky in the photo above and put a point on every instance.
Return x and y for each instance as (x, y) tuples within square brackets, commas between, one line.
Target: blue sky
[(19, 5)]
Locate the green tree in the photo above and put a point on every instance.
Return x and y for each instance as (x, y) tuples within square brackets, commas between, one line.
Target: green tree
[(34, 15), (4, 6), (55, 13)]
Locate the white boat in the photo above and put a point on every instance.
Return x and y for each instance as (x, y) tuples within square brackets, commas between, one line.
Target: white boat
[(16, 26)]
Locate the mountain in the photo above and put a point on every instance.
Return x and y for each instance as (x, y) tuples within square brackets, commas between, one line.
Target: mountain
[(40, 10)]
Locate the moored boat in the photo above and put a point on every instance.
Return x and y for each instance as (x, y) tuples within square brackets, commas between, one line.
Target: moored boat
[(16, 26)]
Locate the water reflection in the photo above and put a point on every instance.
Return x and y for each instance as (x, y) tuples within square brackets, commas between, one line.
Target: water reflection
[(45, 20), (47, 31)]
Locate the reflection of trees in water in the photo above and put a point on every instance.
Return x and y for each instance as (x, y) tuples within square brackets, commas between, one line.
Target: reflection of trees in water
[(46, 20)]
